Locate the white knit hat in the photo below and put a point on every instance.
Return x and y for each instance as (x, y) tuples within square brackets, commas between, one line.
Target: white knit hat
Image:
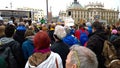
[(1, 18), (88, 24), (60, 32)]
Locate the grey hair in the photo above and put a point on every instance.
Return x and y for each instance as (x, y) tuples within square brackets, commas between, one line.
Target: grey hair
[(86, 57), (67, 29)]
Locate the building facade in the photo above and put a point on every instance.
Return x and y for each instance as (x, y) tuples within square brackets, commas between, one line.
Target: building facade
[(17, 14), (36, 14), (91, 12)]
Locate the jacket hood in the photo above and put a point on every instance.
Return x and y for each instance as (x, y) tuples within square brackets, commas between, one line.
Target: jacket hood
[(30, 38), (45, 63), (101, 33), (5, 40)]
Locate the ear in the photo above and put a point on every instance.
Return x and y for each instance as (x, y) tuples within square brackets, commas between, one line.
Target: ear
[(74, 66)]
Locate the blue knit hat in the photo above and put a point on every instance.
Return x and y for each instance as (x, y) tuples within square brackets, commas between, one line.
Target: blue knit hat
[(21, 27)]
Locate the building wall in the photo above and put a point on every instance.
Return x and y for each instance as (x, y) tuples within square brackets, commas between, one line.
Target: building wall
[(91, 13), (36, 13), (7, 14)]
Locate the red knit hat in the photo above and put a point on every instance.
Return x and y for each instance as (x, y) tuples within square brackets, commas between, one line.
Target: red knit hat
[(41, 40)]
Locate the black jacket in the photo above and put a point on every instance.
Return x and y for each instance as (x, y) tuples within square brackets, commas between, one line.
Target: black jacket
[(62, 49), (96, 43), (50, 33), (15, 49)]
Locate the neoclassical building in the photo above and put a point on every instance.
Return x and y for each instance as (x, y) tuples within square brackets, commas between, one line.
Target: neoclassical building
[(91, 12)]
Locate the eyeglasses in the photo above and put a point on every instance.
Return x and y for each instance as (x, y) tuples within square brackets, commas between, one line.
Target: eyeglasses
[(77, 58)]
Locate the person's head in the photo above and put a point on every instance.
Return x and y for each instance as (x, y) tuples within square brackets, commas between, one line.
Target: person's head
[(88, 24), (52, 26), (44, 27), (81, 57), (29, 32), (67, 29), (2, 27), (1, 21), (41, 40), (9, 30), (59, 32), (97, 26), (114, 31)]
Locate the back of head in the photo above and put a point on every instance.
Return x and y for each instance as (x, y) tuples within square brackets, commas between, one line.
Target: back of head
[(2, 28), (88, 24), (9, 30), (67, 29), (1, 21), (83, 57), (60, 32), (97, 25), (29, 32), (41, 40)]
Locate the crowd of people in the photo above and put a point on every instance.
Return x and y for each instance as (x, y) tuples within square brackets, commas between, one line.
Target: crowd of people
[(56, 45)]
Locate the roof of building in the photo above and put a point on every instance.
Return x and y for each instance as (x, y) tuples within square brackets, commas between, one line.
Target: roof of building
[(75, 5)]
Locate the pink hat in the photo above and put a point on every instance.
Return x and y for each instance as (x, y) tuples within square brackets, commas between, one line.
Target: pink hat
[(114, 31)]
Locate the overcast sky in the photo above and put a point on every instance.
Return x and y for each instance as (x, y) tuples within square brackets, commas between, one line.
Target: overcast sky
[(56, 5)]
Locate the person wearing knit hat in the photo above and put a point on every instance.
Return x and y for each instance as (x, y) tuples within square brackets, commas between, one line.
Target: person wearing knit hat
[(69, 38), (89, 27), (59, 46), (19, 34), (60, 32), (43, 57), (114, 35), (114, 31)]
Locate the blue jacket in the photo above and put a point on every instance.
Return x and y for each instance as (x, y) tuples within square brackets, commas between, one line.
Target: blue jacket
[(27, 48), (70, 40)]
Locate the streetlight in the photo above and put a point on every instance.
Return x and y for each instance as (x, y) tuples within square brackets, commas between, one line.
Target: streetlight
[(47, 9)]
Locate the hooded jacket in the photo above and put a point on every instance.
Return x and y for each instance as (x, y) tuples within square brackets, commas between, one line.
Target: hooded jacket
[(96, 43), (50, 62), (27, 47), (6, 54), (15, 49)]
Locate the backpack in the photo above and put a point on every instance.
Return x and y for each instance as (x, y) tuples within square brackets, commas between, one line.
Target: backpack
[(2, 62), (7, 57), (114, 64), (109, 53), (83, 37)]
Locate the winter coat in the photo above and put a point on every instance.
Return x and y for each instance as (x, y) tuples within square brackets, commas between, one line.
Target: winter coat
[(50, 33), (96, 43), (77, 33), (50, 62), (28, 47), (113, 37), (16, 50), (70, 40), (62, 49)]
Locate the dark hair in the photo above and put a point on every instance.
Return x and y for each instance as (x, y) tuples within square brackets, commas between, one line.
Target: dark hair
[(1, 22), (97, 25), (9, 30)]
